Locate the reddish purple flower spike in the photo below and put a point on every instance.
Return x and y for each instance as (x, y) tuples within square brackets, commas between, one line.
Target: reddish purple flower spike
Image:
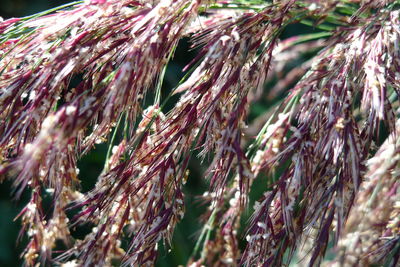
[(324, 172)]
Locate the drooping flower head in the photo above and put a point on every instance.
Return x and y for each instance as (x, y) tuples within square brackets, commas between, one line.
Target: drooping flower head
[(83, 75)]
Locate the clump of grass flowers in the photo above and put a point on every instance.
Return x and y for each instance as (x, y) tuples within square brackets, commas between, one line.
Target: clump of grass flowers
[(331, 184)]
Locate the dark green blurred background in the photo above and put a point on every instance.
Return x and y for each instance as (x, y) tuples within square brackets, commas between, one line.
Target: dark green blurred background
[(91, 165)]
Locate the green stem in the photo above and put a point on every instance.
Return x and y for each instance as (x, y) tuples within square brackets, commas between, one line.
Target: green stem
[(205, 234), (110, 146), (46, 12)]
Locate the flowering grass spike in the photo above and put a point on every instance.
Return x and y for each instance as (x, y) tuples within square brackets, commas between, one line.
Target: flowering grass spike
[(330, 184)]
